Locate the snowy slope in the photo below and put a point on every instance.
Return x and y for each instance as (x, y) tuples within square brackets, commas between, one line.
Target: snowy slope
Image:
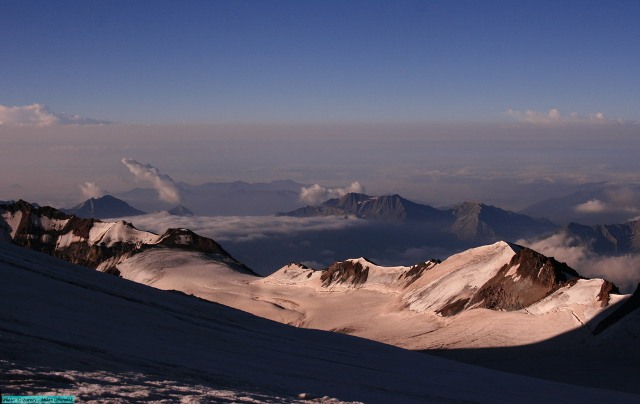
[(458, 277), (404, 306), (72, 331)]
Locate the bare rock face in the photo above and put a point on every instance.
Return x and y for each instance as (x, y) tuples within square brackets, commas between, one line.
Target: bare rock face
[(346, 272), (527, 279)]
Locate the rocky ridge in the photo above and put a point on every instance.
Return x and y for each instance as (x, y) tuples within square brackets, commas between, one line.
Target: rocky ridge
[(92, 242)]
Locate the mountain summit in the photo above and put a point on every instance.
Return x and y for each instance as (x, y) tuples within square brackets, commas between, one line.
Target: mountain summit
[(477, 221), (385, 208), (102, 208)]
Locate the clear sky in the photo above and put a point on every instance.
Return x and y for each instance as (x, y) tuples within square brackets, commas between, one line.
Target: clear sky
[(206, 62), (440, 101)]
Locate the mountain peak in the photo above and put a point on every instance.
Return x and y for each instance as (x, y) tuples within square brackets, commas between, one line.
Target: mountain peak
[(180, 210), (106, 206), (385, 208)]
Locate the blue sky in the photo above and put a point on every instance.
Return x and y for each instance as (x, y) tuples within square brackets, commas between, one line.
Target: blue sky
[(208, 62), (441, 101)]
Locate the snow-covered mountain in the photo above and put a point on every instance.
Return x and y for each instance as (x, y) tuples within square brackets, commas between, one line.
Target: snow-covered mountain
[(470, 294), (97, 244), (102, 208), (467, 221), (67, 330)]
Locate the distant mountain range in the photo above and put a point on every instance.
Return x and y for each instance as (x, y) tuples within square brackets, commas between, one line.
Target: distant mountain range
[(609, 239), (110, 207), (468, 220), (600, 203), (236, 198)]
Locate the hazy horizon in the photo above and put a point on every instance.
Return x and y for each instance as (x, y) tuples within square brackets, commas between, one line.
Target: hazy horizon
[(512, 166)]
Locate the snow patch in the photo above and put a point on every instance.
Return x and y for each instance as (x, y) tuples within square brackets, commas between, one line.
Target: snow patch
[(110, 233), (13, 221), (67, 239), (513, 273)]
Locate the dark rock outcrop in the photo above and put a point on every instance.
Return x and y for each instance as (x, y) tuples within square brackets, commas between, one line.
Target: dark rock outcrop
[(528, 278), (346, 272)]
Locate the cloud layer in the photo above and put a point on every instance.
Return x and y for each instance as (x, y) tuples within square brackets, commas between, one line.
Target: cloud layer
[(553, 116), (40, 115), (242, 228), (165, 185), (316, 194)]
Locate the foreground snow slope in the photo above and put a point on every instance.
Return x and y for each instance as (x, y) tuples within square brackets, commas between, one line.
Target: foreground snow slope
[(74, 331)]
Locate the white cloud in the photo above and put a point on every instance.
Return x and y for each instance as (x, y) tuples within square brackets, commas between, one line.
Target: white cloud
[(623, 270), (165, 185), (553, 116), (241, 228), (592, 206), (40, 115), (623, 200), (316, 194), (27, 115), (91, 190)]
